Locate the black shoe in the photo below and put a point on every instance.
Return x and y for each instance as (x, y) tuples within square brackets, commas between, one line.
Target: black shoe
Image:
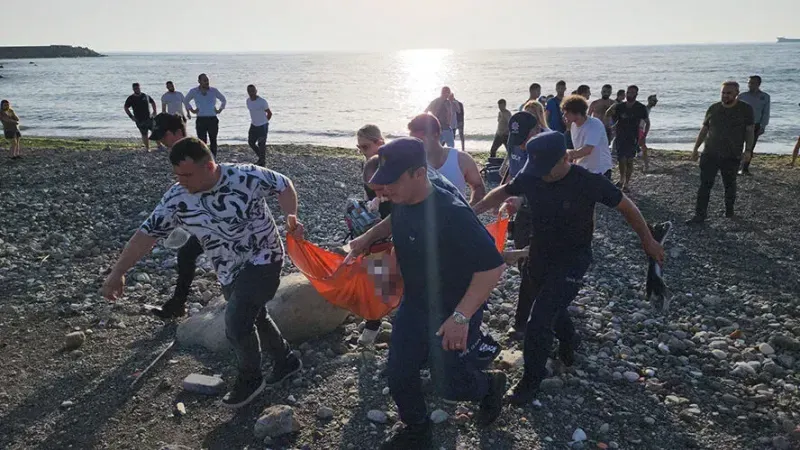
[(696, 220), (172, 309), (261, 162), (566, 350), (516, 333), (523, 393), (745, 172), (729, 213), (284, 369), (243, 392), (412, 437), (492, 404)]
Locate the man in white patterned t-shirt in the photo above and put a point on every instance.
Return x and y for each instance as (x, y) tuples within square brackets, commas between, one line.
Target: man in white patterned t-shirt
[(224, 206)]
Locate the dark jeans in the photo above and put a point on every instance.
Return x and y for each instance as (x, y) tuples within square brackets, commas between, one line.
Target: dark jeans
[(457, 376), (207, 129), (709, 166), (270, 337), (557, 280), (247, 296), (257, 139), (757, 131), (499, 139), (187, 264)]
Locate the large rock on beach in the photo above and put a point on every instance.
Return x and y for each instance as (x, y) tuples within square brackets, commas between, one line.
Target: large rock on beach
[(298, 310)]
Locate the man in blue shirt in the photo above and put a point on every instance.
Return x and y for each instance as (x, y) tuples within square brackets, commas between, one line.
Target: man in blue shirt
[(562, 198), (554, 120), (450, 266)]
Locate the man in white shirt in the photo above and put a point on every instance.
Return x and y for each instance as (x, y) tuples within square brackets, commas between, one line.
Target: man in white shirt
[(205, 99), (172, 102), (260, 115), (588, 136)]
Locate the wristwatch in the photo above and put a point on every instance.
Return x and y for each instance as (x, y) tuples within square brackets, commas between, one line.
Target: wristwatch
[(460, 319)]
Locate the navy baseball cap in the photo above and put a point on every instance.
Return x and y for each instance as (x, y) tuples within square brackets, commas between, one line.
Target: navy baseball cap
[(165, 122), (519, 127), (396, 157), (545, 150)]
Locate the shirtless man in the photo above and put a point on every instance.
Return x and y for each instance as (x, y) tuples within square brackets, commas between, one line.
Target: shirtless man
[(599, 107)]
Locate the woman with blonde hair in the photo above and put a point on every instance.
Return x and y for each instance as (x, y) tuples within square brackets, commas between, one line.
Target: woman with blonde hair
[(535, 108), (370, 140), (10, 127)]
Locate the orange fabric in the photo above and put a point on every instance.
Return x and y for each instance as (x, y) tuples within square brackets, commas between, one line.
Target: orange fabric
[(351, 286), (498, 230), (346, 286)]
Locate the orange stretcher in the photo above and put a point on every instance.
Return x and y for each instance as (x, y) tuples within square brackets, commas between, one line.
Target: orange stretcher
[(371, 287)]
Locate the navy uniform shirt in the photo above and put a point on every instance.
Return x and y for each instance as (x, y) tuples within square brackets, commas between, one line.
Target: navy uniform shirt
[(562, 212), (440, 244)]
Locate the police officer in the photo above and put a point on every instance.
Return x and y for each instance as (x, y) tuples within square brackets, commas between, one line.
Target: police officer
[(562, 199)]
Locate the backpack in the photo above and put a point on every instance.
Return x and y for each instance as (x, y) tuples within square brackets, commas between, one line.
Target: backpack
[(359, 218)]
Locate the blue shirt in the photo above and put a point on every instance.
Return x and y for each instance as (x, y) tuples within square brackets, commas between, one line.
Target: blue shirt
[(440, 244), (554, 120), (517, 157), (562, 212)]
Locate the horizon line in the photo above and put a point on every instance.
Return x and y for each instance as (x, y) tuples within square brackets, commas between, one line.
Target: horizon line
[(396, 50)]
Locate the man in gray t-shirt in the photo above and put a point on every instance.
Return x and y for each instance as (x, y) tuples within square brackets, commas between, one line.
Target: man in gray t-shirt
[(759, 101), (172, 102)]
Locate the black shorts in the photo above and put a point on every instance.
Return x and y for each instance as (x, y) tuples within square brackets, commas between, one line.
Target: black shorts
[(626, 150), (11, 134), (145, 125)]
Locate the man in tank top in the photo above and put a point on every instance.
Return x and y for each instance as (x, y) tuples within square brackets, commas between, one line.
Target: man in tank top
[(456, 166)]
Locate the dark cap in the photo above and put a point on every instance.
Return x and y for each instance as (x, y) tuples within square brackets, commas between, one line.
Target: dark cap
[(545, 150), (519, 127), (165, 122), (396, 157)]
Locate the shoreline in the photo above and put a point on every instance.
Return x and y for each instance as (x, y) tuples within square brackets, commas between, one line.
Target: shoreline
[(100, 143)]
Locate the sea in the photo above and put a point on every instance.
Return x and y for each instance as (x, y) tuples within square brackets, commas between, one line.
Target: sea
[(323, 98)]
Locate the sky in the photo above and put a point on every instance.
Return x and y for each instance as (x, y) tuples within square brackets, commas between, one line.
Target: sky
[(385, 25)]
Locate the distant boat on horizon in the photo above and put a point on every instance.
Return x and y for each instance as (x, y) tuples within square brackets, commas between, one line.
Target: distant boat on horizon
[(783, 40)]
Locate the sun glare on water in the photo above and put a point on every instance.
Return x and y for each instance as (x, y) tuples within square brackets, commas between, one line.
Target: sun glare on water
[(423, 75)]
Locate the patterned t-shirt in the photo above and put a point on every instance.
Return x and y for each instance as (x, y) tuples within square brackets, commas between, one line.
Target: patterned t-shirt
[(231, 220)]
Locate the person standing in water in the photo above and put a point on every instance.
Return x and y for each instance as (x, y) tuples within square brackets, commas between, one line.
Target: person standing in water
[(10, 127)]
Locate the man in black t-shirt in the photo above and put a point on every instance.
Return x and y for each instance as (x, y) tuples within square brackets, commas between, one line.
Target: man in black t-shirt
[(727, 127), (627, 117), (562, 200), (140, 103)]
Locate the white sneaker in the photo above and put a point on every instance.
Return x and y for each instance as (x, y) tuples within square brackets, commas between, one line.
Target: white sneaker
[(368, 337), (177, 239)]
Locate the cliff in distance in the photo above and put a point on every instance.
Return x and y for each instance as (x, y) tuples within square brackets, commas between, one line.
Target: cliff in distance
[(47, 51)]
